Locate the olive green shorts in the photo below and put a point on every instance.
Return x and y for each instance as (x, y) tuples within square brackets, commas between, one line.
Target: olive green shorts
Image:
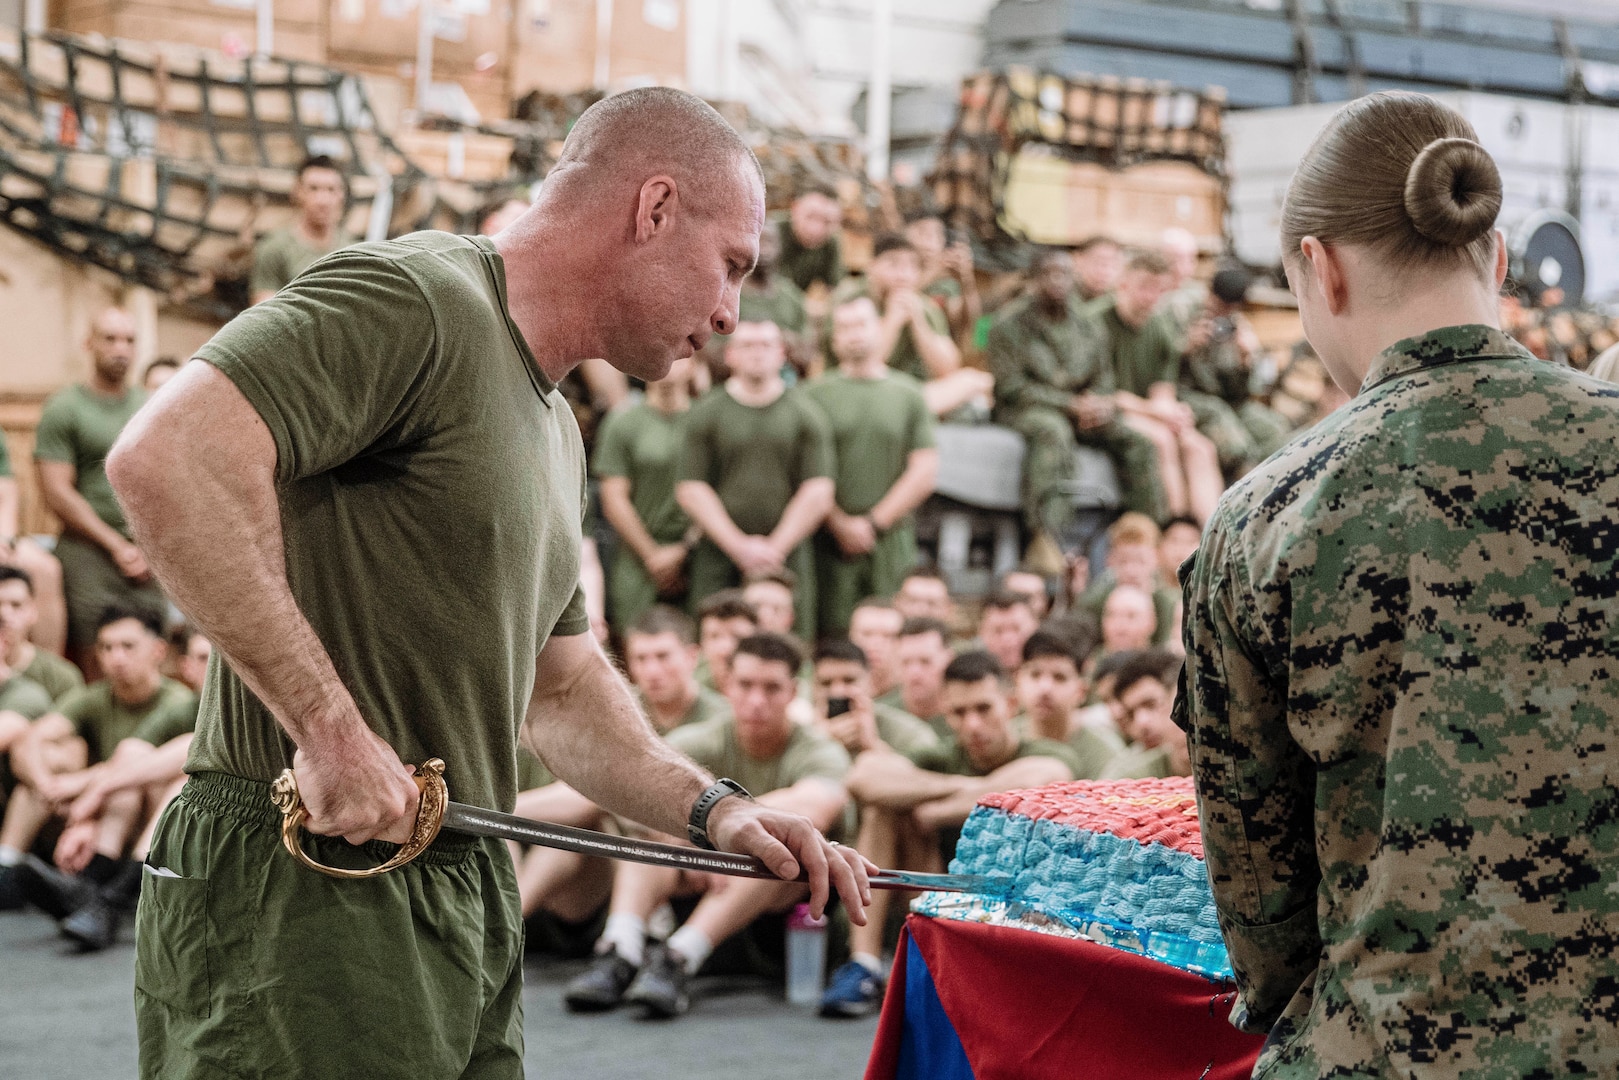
[(92, 582), (249, 965)]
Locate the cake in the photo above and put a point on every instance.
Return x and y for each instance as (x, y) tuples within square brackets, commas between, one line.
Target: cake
[(1116, 861)]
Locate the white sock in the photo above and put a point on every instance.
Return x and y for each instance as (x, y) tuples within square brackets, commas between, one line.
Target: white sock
[(10, 856), (868, 961), (625, 935), (692, 945)]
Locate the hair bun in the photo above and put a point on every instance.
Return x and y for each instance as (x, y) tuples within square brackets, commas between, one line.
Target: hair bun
[(1453, 192)]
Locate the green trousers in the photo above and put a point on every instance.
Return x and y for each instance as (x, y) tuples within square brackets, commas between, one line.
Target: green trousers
[(1048, 465), (845, 581), (249, 965), (92, 582), (630, 590), (709, 571)]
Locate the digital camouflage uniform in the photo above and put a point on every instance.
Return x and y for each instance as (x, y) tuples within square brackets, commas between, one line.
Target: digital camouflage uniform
[(1403, 707), (1217, 372), (1039, 366), (805, 266), (1143, 356)]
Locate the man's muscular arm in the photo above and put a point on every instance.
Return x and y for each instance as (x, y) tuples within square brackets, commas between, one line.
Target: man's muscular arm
[(195, 472), (583, 723)]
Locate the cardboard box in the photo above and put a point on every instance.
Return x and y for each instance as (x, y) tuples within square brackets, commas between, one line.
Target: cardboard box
[(556, 45), (204, 24)]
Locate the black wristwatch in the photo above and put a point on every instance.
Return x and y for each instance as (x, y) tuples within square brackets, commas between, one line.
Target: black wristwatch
[(697, 824)]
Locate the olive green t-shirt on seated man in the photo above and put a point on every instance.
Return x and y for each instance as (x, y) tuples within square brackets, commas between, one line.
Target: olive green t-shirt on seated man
[(713, 745), (951, 757), (103, 721), (24, 696), (432, 489), (169, 721), (904, 733), (56, 674), (79, 426), (755, 458)]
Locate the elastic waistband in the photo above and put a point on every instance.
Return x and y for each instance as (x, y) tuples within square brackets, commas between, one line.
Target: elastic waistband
[(248, 801)]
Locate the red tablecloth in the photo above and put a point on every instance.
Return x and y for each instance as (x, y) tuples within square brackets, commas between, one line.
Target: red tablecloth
[(1029, 1006)]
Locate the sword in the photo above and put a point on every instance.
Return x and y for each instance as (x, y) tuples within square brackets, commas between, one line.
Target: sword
[(438, 812)]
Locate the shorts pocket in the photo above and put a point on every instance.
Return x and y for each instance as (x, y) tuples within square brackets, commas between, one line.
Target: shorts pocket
[(171, 943)]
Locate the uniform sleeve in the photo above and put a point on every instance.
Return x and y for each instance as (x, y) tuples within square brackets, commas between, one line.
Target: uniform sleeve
[(906, 734), (1168, 351), (5, 458), (575, 617), (697, 445), (54, 439), (334, 363), (1010, 363), (819, 758), (1256, 788), (815, 451), (168, 722), (77, 706), (920, 435), (704, 743), (269, 266), (1048, 748), (612, 457)]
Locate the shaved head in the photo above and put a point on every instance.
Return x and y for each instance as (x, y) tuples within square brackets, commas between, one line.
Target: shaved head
[(656, 129), (111, 343), (655, 205)]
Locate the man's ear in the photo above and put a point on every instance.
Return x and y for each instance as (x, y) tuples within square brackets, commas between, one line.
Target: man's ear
[(655, 209)]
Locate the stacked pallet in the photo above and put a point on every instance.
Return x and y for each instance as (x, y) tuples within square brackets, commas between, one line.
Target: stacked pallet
[(1053, 159)]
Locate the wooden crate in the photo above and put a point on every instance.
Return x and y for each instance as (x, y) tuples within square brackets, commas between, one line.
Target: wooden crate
[(372, 32), (457, 155), (203, 24), (1050, 200), (554, 47)]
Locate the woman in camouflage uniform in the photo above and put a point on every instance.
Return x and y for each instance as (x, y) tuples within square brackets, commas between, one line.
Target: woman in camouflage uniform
[(1400, 631)]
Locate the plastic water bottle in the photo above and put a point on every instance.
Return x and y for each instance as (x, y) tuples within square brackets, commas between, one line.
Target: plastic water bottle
[(806, 957)]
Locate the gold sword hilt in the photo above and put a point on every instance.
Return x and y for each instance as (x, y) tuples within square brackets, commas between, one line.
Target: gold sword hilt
[(429, 777)]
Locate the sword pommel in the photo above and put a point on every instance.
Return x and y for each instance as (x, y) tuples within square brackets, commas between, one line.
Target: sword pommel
[(429, 778)]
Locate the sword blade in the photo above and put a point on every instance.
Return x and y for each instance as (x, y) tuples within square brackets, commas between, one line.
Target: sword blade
[(461, 818)]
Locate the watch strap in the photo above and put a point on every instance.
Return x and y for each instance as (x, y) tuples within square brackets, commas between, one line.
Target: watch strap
[(697, 824)]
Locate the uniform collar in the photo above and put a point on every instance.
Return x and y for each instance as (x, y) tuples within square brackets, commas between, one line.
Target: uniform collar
[(1441, 348)]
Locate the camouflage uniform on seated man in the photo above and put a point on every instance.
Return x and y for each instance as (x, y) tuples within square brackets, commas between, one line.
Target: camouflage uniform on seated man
[(1053, 386)]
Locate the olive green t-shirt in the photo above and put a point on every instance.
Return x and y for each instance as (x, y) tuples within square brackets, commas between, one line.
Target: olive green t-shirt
[(904, 732), (280, 255), (431, 481), (103, 721), (5, 457), (781, 303), (642, 445), (713, 745), (951, 757), (1093, 752), (169, 721), (805, 266), (755, 458), (905, 358), (1138, 763), (1141, 356), (876, 424), (79, 426), (56, 674), (22, 695), (707, 705)]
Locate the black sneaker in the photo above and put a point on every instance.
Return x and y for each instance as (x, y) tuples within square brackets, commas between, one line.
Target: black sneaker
[(602, 987), (93, 927), (53, 892), (11, 897), (663, 988)]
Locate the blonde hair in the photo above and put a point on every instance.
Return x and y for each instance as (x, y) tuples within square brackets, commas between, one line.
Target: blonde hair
[(1402, 175), (1133, 528)]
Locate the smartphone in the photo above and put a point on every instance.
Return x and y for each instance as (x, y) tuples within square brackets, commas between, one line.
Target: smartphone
[(837, 706)]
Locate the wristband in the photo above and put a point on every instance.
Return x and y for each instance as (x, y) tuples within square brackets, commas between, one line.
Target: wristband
[(697, 824)]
